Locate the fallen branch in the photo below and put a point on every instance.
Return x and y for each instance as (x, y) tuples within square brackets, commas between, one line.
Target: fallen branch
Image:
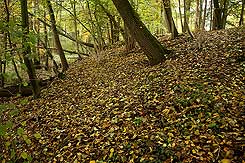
[(68, 51), (22, 90)]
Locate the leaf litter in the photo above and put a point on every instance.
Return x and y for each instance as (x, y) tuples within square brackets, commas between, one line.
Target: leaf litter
[(118, 108)]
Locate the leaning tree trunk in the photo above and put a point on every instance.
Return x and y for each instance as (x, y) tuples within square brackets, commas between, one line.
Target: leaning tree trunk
[(242, 13), (154, 51), (169, 19), (26, 50), (60, 51)]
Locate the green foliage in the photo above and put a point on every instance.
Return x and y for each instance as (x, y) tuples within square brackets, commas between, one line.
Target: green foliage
[(12, 136)]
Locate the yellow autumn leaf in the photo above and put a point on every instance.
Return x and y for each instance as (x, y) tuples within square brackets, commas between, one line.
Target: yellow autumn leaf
[(93, 161), (111, 152), (225, 161)]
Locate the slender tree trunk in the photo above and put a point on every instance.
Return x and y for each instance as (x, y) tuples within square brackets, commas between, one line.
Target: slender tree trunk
[(26, 50), (93, 26), (224, 14), (187, 6), (197, 27), (10, 42), (3, 61), (186, 25), (73, 5), (36, 29), (211, 15), (46, 41), (242, 14), (115, 28), (169, 19), (204, 15), (181, 20), (154, 51), (48, 51), (99, 31), (60, 51), (62, 32), (200, 14), (1, 74)]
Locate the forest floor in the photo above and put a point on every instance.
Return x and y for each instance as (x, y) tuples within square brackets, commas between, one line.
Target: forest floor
[(118, 108)]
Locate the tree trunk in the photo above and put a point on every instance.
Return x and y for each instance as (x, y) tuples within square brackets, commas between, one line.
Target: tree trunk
[(242, 13), (200, 14), (115, 28), (60, 51), (154, 51), (169, 19), (10, 42), (211, 15), (65, 34), (181, 20), (26, 50), (224, 13), (204, 15), (73, 5), (130, 41), (36, 29), (217, 23), (186, 26), (187, 6), (48, 51), (197, 27)]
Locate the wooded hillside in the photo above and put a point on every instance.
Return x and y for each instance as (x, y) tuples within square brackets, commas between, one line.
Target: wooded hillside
[(151, 81), (118, 108)]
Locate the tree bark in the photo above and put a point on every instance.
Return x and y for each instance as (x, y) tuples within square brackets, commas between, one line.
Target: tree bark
[(36, 29), (181, 20), (187, 6), (211, 15), (154, 51), (242, 14), (60, 51), (186, 25), (26, 50), (130, 41), (200, 14), (10, 42), (48, 51), (217, 23), (63, 33), (224, 13), (169, 19), (114, 25), (204, 15), (73, 5), (197, 19)]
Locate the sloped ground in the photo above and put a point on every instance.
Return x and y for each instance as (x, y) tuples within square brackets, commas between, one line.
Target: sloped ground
[(189, 108)]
